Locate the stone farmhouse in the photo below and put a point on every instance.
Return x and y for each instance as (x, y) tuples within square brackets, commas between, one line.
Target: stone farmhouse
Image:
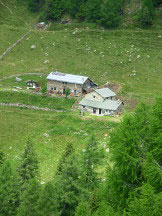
[(101, 102), (79, 85)]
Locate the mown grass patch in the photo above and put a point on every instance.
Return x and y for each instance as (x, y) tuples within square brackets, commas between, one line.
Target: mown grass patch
[(50, 133), (36, 100)]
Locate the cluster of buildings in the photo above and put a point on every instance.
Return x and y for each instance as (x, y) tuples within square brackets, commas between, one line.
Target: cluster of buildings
[(97, 101)]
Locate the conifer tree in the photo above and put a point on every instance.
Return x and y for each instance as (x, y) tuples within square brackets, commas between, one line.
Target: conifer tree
[(68, 151), (91, 157), (54, 9), (83, 209), (134, 153), (110, 13), (146, 13), (47, 203), (94, 10), (144, 201), (29, 199), (29, 163), (2, 158), (9, 191), (67, 187)]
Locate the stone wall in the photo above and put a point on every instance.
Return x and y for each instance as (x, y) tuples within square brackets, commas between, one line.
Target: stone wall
[(55, 86)]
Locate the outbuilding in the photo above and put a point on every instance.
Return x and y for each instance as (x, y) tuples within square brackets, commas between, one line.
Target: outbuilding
[(101, 102)]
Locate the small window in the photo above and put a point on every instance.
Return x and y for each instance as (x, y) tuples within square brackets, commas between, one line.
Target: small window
[(54, 88), (94, 96), (51, 88)]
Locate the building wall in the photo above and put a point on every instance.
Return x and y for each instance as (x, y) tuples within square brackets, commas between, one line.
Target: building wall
[(103, 112), (55, 86), (94, 96)]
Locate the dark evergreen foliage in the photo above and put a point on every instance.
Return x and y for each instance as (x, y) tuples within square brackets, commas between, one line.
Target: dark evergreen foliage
[(9, 191), (35, 5), (67, 187), (29, 199), (132, 186), (29, 163), (2, 158), (146, 13), (47, 203), (68, 151), (54, 9)]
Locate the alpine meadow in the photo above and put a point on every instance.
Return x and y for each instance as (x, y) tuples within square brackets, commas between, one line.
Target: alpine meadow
[(80, 107)]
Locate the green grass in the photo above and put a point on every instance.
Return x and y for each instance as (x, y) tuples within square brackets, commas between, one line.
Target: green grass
[(83, 49), (18, 124), (10, 82), (36, 100), (102, 55)]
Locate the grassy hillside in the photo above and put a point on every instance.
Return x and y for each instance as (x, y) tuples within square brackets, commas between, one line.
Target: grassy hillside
[(50, 133), (130, 60)]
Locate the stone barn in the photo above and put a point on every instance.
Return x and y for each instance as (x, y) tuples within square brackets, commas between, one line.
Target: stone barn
[(58, 82)]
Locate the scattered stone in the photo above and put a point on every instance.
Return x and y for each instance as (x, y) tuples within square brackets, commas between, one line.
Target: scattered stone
[(85, 134), (46, 54), (10, 148), (18, 87), (33, 46), (46, 61), (46, 135), (107, 150), (42, 182), (18, 79)]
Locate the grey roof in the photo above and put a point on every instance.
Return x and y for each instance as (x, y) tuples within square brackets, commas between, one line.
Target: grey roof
[(107, 104), (57, 76), (105, 92)]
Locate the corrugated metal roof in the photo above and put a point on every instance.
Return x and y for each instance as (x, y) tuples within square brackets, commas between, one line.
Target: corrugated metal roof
[(57, 76), (107, 104), (105, 92)]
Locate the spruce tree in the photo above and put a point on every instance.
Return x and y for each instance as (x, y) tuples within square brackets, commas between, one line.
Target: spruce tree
[(47, 203), (9, 191), (62, 162), (67, 187), (29, 199), (54, 9), (94, 10), (2, 158), (146, 13), (144, 201), (110, 13), (91, 158), (134, 149), (29, 164)]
